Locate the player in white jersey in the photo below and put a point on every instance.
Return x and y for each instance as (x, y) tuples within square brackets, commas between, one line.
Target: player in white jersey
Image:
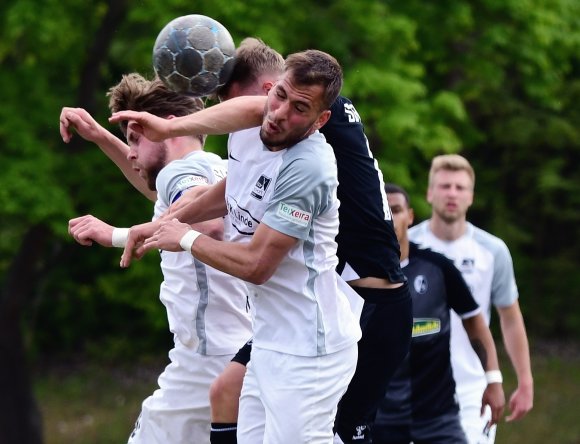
[(486, 265), (281, 197), (206, 308)]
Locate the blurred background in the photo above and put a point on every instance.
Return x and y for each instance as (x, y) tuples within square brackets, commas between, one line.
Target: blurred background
[(498, 81)]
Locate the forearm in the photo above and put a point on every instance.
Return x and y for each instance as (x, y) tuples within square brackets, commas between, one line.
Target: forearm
[(227, 117), (194, 207), (482, 342), (234, 258), (516, 344), (117, 150)]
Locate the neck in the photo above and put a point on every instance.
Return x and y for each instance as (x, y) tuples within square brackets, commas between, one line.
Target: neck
[(181, 148), (404, 247), (447, 231)]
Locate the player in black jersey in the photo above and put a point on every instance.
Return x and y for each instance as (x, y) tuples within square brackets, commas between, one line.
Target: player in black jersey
[(368, 254), (420, 404)]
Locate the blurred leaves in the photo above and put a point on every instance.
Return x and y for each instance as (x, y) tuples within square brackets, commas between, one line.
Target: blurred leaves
[(497, 81)]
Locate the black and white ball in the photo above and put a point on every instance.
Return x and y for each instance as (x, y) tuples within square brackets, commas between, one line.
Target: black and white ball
[(194, 54)]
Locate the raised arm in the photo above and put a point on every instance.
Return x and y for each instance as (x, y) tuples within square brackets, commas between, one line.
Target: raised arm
[(482, 342), (226, 117), (113, 147)]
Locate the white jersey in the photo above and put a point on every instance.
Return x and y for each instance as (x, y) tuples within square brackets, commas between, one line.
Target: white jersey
[(486, 265), (303, 309), (206, 308)]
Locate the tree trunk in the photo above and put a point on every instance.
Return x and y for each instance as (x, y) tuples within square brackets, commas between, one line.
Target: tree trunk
[(20, 420)]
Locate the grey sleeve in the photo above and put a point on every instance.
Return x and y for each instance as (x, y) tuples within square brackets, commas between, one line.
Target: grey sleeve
[(303, 190)]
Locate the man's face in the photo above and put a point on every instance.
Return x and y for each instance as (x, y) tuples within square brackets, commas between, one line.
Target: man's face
[(402, 215), (450, 194), (292, 113), (146, 157)]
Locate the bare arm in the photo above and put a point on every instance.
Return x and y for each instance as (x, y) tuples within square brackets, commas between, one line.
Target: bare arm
[(226, 117), (113, 147), (254, 261), (483, 345), (197, 205), (516, 343)]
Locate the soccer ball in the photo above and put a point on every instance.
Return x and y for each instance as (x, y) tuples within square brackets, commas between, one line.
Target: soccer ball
[(194, 54)]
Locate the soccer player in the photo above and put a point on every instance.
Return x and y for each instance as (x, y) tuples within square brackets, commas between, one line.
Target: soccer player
[(368, 254), (486, 265), (206, 308), (420, 404), (280, 194)]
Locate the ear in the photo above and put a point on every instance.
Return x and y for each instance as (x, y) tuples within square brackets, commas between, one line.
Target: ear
[(322, 119), (267, 86), (429, 196)]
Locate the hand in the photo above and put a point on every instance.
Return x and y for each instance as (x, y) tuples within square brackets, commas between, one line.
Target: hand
[(88, 229), (152, 127), (82, 122), (521, 402), (495, 398), (137, 235), (167, 237)]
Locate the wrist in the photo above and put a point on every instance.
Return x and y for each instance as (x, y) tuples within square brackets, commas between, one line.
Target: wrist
[(493, 377), (119, 237), (187, 240)]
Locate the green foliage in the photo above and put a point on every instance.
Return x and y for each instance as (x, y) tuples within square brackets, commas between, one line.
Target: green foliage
[(494, 80)]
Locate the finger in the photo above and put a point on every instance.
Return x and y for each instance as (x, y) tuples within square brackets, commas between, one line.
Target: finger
[(119, 116), (126, 257)]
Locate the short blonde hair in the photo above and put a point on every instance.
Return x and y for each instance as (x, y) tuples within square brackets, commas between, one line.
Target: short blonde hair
[(451, 162)]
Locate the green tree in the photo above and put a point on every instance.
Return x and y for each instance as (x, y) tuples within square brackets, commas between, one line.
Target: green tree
[(494, 80)]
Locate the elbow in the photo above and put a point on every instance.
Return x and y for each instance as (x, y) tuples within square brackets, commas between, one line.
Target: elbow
[(258, 273)]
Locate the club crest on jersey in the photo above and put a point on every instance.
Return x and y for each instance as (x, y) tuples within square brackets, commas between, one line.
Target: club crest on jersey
[(426, 326), (420, 284), (292, 214), (261, 186), (467, 265), (190, 181)]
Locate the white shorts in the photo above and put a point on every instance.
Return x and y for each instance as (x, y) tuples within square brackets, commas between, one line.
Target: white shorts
[(179, 411), (475, 425), (288, 399)]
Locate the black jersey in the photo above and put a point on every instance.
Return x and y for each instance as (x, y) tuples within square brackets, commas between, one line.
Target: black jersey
[(423, 387), (373, 250)]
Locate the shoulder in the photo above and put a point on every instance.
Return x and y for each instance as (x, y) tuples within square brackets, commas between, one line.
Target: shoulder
[(431, 256), (490, 242), (416, 231), (312, 154)]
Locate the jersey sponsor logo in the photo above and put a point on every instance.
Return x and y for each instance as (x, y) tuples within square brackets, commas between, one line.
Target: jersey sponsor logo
[(292, 214), (467, 265), (360, 433), (190, 181), (241, 219), (420, 284), (426, 326), (351, 113), (261, 186)]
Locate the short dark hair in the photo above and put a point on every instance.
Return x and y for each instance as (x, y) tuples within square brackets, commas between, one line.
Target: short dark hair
[(135, 93), (391, 188), (313, 67)]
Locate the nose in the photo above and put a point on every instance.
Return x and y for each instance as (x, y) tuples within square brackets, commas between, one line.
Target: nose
[(132, 154)]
